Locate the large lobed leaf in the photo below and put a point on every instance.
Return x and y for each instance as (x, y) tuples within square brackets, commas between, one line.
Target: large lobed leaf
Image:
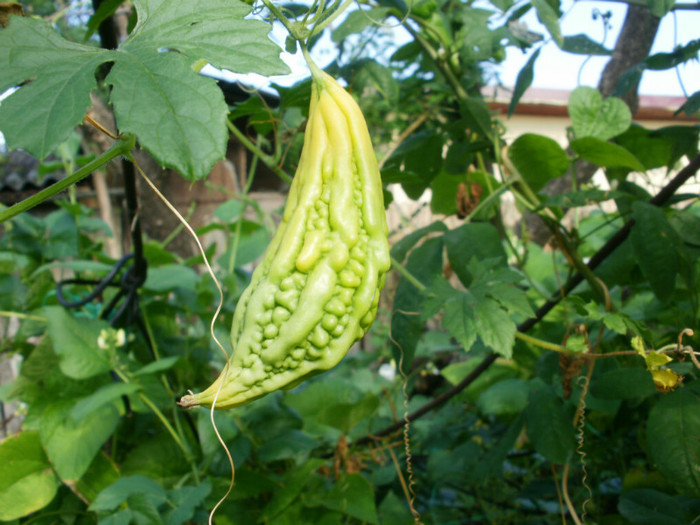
[(177, 115), (672, 434), (27, 482), (42, 114), (593, 116)]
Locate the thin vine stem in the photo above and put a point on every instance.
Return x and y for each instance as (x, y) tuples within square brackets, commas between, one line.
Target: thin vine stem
[(328, 21), (396, 265), (268, 160), (122, 146), (176, 437), (19, 315)]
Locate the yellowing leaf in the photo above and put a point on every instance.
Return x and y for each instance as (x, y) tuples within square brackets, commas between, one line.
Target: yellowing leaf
[(655, 360), (638, 346), (665, 380)]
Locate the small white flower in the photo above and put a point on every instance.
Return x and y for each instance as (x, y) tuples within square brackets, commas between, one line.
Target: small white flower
[(102, 340), (388, 371), (121, 337)]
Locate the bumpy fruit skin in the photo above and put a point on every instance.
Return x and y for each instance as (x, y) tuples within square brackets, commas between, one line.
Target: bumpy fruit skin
[(316, 291)]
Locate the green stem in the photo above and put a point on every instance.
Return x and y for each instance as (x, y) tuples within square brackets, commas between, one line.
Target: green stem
[(18, 315), (407, 275), (328, 21), (316, 72), (120, 147), (542, 344), (180, 443), (440, 63), (580, 266), (285, 21), (493, 196), (268, 160), (176, 231)]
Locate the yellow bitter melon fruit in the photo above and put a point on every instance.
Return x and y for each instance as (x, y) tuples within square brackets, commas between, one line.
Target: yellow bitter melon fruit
[(316, 291)]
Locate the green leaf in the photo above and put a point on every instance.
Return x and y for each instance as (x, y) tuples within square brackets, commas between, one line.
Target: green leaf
[(683, 53), (628, 79), (491, 464), (424, 263), (472, 313), (356, 22), (655, 245), (690, 107), (582, 197), (415, 163), (511, 298), (70, 446), (346, 416), (42, 113), (119, 491), (672, 435), (186, 499), (477, 115), (651, 507), (688, 227), (106, 394), (402, 247), (451, 465), (62, 236), (605, 154), (549, 18), (653, 150), (179, 117), (623, 383), (251, 245), (538, 159), (478, 240), (444, 189), (76, 266), (170, 277), (215, 30), (164, 363), (583, 45), (27, 482), (229, 211), (684, 140), (393, 510), (106, 9), (101, 473), (458, 319), (158, 458), (293, 483), (524, 80), (377, 77), (660, 7), (294, 444), (549, 427), (75, 343), (505, 398), (494, 326), (123, 517), (352, 495), (591, 116)]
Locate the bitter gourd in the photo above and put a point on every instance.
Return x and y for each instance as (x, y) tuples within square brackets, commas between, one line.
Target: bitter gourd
[(316, 291)]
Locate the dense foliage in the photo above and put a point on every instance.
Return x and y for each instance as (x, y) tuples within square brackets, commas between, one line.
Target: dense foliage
[(543, 383)]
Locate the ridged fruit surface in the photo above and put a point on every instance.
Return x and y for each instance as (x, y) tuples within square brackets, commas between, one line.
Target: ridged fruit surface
[(316, 291)]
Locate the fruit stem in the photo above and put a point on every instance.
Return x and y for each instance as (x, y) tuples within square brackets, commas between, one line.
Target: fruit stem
[(316, 72)]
